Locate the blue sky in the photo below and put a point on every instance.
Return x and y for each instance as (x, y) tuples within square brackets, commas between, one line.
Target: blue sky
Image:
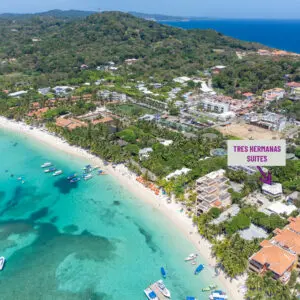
[(287, 9)]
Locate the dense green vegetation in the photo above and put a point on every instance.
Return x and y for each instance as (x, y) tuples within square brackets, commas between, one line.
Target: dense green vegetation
[(63, 45), (233, 254), (255, 74), (265, 287)]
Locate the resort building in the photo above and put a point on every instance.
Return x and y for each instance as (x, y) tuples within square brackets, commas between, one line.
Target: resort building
[(217, 69), (17, 94), (274, 190), (182, 79), (214, 106), (38, 113), (130, 61), (275, 259), (177, 173), (268, 120), (273, 94), (166, 142), (281, 254), (44, 91), (229, 213), (280, 208), (70, 123), (212, 191), (295, 94), (248, 96), (250, 170), (145, 153), (293, 85), (253, 232)]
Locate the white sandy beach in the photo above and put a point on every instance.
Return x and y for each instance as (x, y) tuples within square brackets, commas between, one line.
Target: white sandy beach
[(128, 180)]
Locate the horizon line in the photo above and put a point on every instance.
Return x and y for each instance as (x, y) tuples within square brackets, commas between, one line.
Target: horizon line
[(159, 14)]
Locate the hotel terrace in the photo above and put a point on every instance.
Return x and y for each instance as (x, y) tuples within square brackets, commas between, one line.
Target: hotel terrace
[(281, 254), (220, 104), (212, 192)]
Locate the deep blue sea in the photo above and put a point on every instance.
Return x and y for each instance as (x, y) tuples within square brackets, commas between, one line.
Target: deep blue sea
[(281, 34), (87, 241)]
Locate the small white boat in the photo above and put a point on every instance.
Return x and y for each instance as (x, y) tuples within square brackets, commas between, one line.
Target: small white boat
[(88, 176), (46, 164), (150, 294), (2, 262), (220, 295), (57, 173), (191, 257), (161, 286)]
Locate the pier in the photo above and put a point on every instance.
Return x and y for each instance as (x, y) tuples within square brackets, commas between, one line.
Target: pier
[(154, 288)]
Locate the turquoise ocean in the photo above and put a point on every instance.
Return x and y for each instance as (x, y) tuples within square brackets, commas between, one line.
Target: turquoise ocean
[(89, 240)]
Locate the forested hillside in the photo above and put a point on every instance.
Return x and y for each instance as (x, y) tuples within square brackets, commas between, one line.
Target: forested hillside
[(59, 45), (63, 46)]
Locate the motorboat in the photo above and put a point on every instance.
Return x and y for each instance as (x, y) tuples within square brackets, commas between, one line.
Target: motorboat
[(46, 164), (87, 177), (2, 262), (59, 172), (161, 286), (191, 257), (75, 179), (199, 269), (71, 176), (150, 294), (50, 170), (218, 295), (163, 272)]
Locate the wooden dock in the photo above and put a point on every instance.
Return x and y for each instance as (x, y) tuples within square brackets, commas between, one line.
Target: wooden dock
[(154, 288)]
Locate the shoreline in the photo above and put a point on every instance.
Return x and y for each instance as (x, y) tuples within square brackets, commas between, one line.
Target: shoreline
[(128, 180)]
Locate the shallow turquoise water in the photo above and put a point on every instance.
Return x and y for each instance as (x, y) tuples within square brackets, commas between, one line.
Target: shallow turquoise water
[(91, 240)]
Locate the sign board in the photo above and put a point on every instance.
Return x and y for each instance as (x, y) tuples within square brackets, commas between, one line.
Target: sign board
[(256, 152)]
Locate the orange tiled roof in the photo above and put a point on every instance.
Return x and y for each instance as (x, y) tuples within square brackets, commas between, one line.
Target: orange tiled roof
[(61, 122), (247, 94), (38, 112), (294, 224), (288, 239), (277, 259), (217, 203), (293, 84)]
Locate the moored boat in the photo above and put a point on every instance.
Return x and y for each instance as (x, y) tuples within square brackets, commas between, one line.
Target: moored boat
[(75, 179), (150, 294), (46, 164), (190, 298), (57, 173), (191, 257), (88, 176), (50, 170), (71, 176), (87, 168), (2, 262), (218, 295), (163, 272), (199, 269), (161, 286)]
